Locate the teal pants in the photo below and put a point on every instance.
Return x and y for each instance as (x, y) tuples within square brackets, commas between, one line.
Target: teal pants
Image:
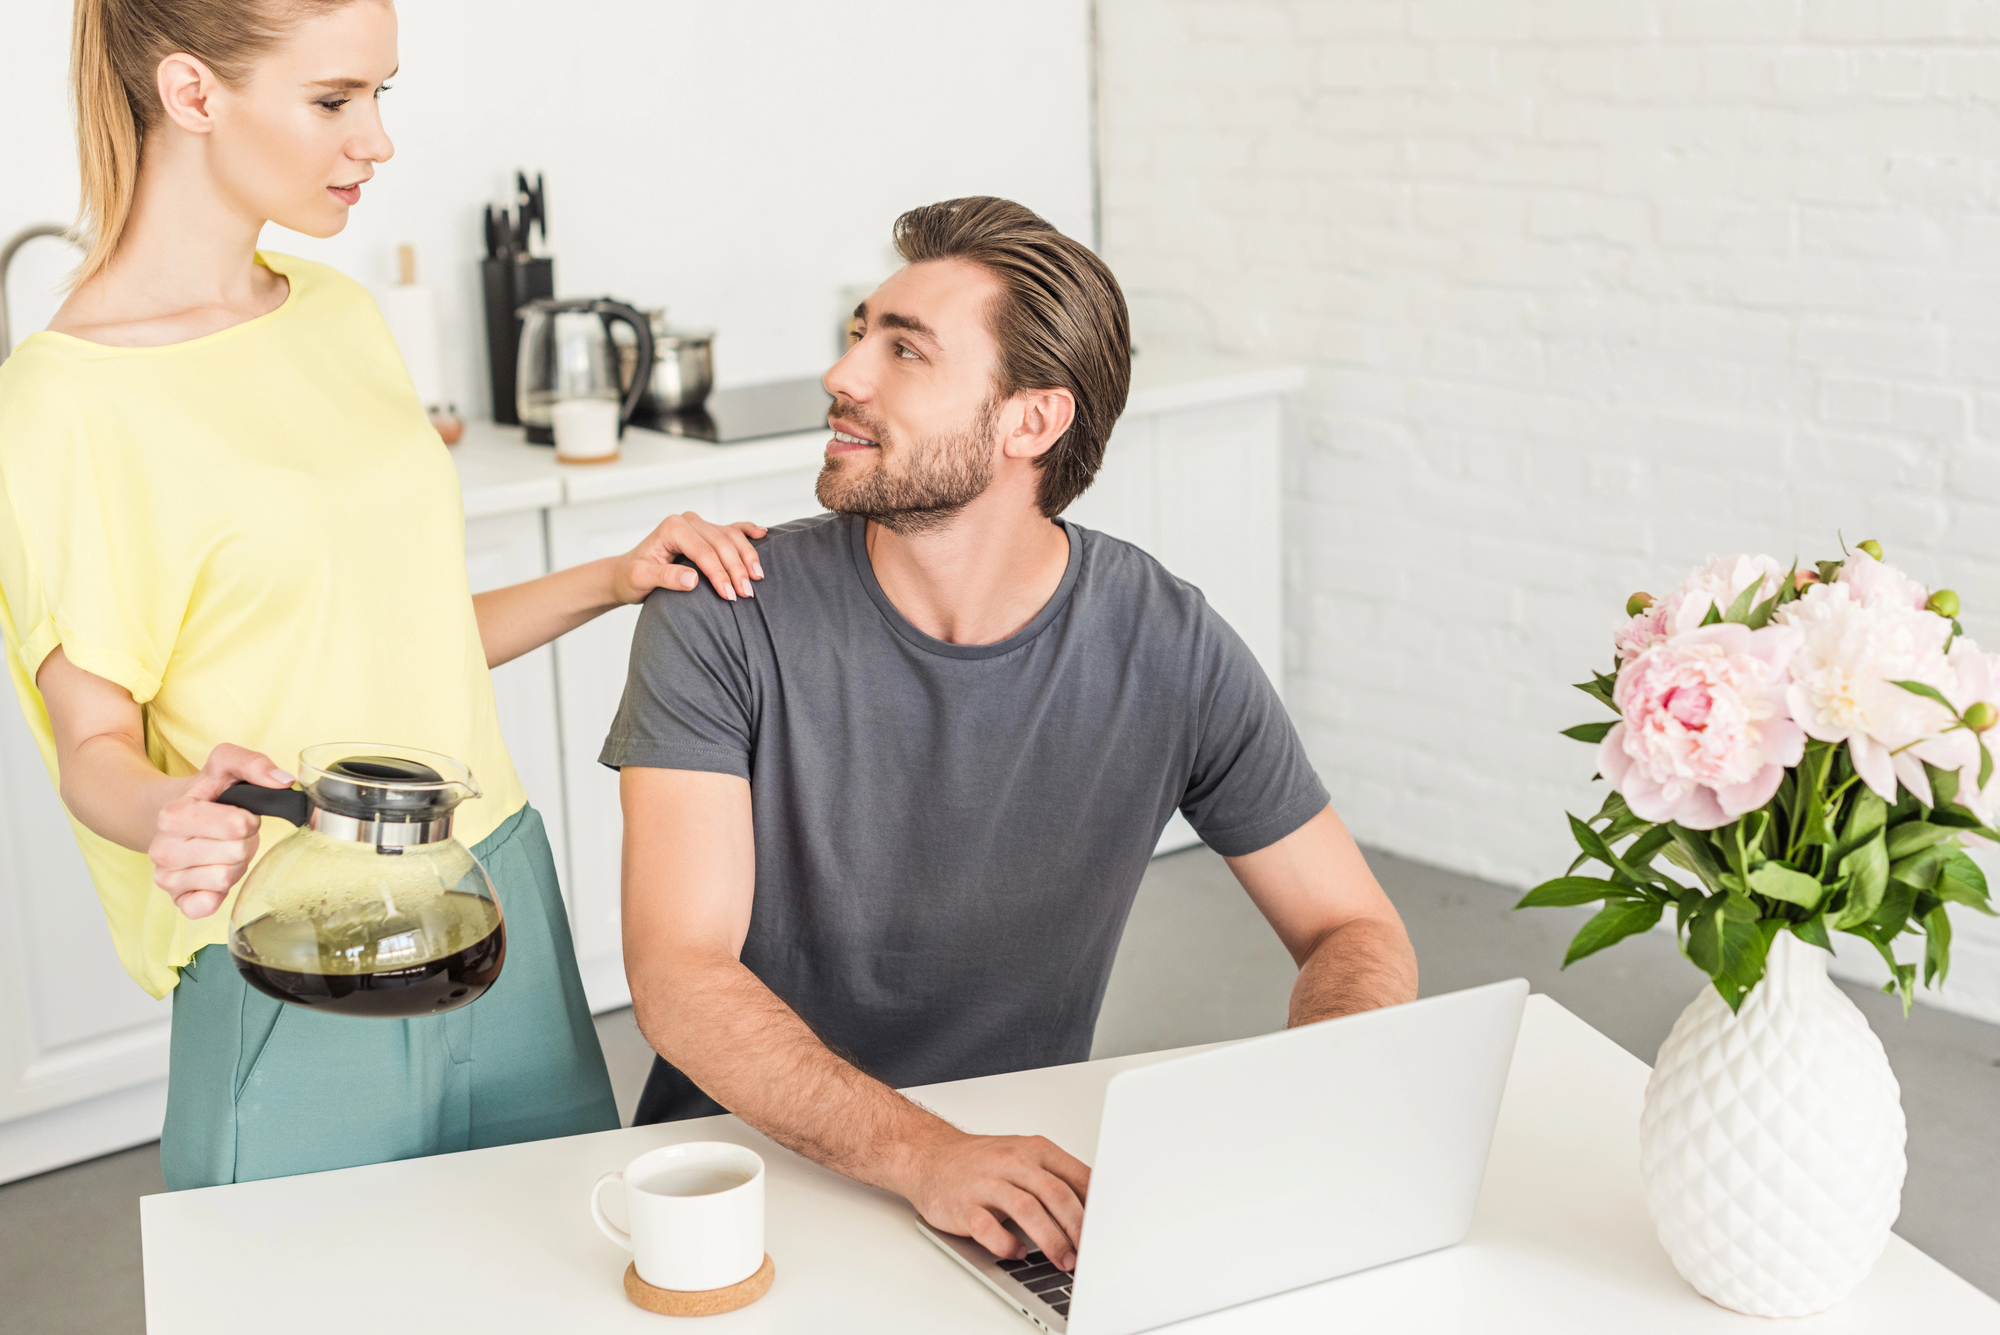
[(258, 1089)]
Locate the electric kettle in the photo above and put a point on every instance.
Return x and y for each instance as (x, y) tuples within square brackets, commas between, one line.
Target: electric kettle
[(370, 907), (567, 352)]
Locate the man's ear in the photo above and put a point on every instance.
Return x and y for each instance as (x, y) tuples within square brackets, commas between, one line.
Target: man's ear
[(1039, 419), (185, 86)]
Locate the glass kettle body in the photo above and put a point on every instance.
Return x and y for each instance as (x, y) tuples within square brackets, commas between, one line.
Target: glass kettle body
[(370, 907), (568, 352)]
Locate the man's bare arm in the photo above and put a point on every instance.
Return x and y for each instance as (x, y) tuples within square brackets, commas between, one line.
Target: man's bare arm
[(689, 877), (1315, 889)]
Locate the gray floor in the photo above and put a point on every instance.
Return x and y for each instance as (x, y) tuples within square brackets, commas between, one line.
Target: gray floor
[(1197, 965)]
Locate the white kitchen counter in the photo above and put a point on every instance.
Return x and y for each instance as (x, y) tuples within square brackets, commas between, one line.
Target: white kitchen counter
[(501, 1240)]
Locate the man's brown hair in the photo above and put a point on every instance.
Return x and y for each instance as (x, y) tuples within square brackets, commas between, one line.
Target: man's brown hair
[(1060, 322)]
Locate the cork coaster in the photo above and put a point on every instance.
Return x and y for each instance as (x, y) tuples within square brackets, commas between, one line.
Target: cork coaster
[(594, 459), (699, 1302)]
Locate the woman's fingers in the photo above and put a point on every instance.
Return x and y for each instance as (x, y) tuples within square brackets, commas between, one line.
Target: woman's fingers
[(228, 764), (741, 532), (182, 854), (723, 546)]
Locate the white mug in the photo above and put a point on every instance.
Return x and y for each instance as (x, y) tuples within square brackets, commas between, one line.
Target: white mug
[(697, 1214), (586, 430)]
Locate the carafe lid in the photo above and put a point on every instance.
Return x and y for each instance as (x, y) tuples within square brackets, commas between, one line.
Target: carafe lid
[(381, 783)]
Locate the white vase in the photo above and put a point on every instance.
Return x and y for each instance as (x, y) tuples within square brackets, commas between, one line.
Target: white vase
[(1772, 1142)]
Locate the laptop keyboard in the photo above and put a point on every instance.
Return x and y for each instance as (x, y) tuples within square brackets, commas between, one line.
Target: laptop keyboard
[(1039, 1276)]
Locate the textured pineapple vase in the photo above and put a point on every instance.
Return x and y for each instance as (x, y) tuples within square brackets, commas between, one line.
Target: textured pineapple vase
[(1772, 1142)]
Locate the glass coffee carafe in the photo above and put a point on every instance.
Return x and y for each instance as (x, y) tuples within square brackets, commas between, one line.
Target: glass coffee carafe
[(370, 907)]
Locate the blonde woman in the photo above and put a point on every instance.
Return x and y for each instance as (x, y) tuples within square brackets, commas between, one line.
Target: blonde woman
[(229, 532)]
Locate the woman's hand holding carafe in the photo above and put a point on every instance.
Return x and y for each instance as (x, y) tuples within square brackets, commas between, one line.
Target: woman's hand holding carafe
[(199, 847), (203, 848)]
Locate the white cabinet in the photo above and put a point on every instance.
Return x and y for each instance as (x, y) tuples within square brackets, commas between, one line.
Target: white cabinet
[(503, 550), (83, 1052)]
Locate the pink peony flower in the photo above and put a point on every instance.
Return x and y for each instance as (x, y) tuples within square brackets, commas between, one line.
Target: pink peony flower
[(1716, 585), (1843, 686), (1641, 633), (1706, 735), (1880, 585), (1977, 680)]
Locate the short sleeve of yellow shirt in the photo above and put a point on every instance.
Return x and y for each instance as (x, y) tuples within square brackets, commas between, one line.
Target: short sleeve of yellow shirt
[(258, 534)]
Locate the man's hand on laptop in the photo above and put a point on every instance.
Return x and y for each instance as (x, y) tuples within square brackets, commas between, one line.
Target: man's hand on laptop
[(968, 1185)]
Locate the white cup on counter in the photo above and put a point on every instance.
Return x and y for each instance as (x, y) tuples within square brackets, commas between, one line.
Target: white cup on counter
[(696, 1213), (586, 430)]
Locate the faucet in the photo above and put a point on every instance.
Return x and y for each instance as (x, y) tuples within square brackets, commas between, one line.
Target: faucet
[(14, 243)]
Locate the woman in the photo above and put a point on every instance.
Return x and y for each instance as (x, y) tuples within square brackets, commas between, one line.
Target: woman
[(230, 532)]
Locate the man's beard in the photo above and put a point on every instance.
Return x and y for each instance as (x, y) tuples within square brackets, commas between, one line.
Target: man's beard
[(938, 477)]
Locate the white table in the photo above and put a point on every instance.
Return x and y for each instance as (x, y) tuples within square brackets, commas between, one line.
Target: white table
[(501, 1240)]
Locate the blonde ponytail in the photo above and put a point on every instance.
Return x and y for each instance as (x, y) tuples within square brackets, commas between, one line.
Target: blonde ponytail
[(107, 139), (116, 47)]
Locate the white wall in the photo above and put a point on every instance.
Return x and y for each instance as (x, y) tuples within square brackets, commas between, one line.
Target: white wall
[(1590, 290), (737, 163)]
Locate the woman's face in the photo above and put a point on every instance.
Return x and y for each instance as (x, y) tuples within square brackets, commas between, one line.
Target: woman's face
[(294, 141)]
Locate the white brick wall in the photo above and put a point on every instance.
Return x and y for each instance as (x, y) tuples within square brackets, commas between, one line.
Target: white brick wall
[(1590, 290)]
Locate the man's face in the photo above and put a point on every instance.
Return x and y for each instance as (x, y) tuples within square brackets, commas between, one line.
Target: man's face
[(914, 413)]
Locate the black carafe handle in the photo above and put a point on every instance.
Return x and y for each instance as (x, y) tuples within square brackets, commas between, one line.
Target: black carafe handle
[(642, 370), (285, 803)]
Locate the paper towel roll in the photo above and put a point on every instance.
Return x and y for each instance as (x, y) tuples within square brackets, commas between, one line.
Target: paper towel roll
[(412, 313)]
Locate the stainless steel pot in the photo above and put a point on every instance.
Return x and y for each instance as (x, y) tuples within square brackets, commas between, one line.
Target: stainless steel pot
[(683, 366)]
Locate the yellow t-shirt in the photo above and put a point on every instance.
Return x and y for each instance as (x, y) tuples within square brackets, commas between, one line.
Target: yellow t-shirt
[(258, 534)]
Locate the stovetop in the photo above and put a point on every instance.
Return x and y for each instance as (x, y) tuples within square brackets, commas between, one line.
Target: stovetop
[(748, 412)]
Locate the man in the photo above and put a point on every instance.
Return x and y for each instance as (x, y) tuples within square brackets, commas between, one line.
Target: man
[(884, 821)]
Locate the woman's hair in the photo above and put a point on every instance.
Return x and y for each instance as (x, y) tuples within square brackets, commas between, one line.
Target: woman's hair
[(116, 47)]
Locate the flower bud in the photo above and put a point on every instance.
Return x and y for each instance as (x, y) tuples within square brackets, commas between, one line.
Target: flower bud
[(1805, 579), (1945, 603), (1981, 717), (1638, 603), (1872, 547)]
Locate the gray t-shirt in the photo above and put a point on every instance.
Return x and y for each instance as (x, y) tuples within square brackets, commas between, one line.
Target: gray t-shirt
[(949, 836)]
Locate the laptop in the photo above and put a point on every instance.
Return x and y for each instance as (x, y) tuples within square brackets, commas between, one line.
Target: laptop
[(1281, 1161)]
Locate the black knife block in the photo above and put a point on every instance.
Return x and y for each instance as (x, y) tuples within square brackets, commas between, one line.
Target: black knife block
[(510, 283)]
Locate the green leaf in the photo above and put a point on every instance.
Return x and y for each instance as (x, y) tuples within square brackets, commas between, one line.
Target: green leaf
[(1743, 949), (1915, 835), (1594, 846), (1777, 881), (1919, 870), (1928, 692), (1869, 814), (1599, 688), (1894, 913), (1813, 932), (1589, 732), (1641, 852), (1867, 870), (1815, 820), (1903, 977), (1960, 881), (1568, 891), (1944, 785), (1829, 571), (1704, 938), (1739, 611), (1612, 925), (1739, 907), (1699, 856), (1713, 617), (1937, 946)]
